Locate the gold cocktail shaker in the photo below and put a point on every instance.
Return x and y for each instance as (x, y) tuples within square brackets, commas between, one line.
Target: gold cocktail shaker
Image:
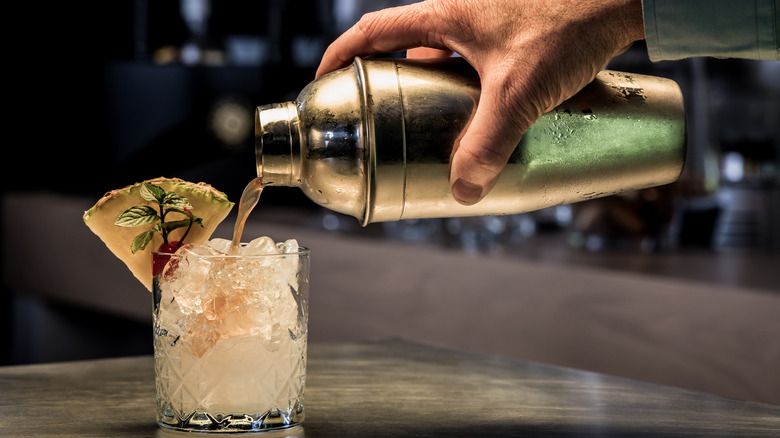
[(373, 141)]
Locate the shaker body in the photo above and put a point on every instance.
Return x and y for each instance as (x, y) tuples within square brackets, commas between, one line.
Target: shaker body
[(374, 141)]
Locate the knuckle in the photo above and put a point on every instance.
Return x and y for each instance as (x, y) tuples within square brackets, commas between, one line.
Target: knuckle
[(522, 101), (486, 156), (377, 27), (365, 25)]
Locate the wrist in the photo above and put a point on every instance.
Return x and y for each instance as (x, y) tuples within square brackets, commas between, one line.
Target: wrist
[(622, 19), (632, 20), (638, 24)]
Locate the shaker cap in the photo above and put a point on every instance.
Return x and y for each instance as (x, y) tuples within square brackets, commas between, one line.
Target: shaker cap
[(276, 135)]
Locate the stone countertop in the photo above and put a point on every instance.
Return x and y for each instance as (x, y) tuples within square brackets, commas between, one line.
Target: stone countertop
[(390, 388), (716, 338)]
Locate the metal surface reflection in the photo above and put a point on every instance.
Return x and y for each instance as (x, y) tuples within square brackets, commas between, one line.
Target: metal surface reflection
[(374, 141)]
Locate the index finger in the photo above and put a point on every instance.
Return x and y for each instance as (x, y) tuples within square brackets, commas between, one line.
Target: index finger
[(384, 31)]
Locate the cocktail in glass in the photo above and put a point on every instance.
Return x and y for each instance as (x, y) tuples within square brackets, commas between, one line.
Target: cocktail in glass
[(230, 334)]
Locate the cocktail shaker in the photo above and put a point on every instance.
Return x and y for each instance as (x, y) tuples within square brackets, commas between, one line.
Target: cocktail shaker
[(374, 140)]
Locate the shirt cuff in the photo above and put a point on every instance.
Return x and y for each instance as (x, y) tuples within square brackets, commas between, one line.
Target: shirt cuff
[(719, 28)]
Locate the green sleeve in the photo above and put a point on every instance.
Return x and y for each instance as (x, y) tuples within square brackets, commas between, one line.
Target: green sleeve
[(676, 29)]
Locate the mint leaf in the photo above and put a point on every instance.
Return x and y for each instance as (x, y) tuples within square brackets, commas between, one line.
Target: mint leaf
[(141, 240), (137, 216), (168, 202), (174, 199), (152, 193)]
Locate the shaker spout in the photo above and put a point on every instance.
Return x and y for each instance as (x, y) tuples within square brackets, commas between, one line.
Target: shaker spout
[(277, 139)]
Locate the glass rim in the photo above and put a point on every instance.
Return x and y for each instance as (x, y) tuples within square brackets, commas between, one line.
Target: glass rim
[(302, 250)]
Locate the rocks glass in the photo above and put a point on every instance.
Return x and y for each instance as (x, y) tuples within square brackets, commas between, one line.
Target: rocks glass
[(230, 334)]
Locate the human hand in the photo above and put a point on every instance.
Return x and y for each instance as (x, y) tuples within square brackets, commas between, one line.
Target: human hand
[(530, 55)]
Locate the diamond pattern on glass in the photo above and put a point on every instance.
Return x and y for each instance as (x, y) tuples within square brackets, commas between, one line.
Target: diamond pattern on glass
[(231, 358)]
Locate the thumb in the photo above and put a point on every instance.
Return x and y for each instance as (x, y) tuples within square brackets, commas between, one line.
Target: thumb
[(485, 147)]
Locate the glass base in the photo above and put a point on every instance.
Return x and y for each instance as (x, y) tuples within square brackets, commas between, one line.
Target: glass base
[(205, 422)]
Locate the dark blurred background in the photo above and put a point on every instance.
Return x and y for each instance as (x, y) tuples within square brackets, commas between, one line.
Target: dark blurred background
[(113, 92), (108, 93)]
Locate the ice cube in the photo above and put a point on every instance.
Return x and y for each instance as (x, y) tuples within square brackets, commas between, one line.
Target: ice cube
[(170, 320), (241, 315), (289, 246), (201, 334), (197, 250), (260, 246), (221, 245), (187, 274)]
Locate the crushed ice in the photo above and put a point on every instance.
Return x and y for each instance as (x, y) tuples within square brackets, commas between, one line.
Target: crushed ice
[(205, 299), (260, 246)]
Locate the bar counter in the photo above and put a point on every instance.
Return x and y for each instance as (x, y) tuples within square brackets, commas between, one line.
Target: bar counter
[(390, 388)]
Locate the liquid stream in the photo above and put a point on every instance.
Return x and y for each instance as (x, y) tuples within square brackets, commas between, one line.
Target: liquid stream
[(246, 204)]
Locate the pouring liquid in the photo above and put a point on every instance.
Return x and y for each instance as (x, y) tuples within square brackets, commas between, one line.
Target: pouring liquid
[(246, 204)]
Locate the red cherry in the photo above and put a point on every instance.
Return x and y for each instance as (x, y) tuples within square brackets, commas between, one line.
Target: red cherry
[(169, 247), (163, 254)]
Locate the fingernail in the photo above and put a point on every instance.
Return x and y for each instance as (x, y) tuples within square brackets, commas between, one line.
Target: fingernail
[(466, 192)]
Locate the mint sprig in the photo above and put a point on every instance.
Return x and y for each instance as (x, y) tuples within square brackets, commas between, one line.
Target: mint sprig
[(167, 203)]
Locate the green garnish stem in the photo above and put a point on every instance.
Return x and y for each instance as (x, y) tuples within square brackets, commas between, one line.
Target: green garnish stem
[(163, 231), (181, 241)]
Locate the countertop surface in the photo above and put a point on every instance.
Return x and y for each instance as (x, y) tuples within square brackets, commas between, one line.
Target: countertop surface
[(389, 388), (605, 312)]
